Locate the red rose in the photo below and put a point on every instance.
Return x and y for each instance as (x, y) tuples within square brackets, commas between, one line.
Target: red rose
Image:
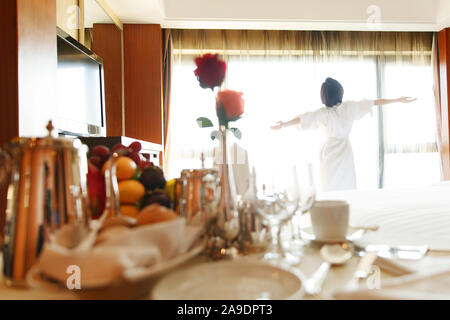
[(210, 70), (230, 104)]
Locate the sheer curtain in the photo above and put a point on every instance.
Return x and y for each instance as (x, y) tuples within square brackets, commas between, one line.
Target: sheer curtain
[(280, 73), (411, 154), (280, 88)]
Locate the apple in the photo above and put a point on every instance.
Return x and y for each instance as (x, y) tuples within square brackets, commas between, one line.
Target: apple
[(96, 190), (96, 161), (101, 151)]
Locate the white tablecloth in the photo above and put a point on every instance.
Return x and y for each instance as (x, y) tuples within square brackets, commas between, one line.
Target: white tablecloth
[(416, 216), (407, 216)]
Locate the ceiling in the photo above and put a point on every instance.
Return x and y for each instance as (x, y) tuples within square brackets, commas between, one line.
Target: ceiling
[(385, 15), (94, 13)]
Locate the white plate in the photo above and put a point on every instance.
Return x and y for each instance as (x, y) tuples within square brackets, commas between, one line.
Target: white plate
[(230, 280), (36, 280), (353, 234)]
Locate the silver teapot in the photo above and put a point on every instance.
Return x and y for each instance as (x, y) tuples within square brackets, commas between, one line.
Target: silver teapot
[(46, 200), (196, 195)]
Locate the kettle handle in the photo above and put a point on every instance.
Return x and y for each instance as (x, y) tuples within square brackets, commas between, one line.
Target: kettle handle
[(5, 167), (112, 207)]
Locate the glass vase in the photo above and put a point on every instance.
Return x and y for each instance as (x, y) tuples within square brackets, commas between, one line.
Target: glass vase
[(225, 220)]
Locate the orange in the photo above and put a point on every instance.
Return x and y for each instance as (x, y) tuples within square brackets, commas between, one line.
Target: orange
[(155, 213), (125, 168), (129, 210), (130, 191)]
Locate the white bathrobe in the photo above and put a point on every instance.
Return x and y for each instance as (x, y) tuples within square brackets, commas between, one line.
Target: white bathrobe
[(337, 165)]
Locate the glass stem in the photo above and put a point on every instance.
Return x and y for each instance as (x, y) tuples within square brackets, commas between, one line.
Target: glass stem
[(275, 245), (297, 226)]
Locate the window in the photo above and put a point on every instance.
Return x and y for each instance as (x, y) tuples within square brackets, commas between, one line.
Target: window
[(395, 147), (411, 154)]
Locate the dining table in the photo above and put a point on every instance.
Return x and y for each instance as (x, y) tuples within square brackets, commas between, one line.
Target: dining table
[(416, 216)]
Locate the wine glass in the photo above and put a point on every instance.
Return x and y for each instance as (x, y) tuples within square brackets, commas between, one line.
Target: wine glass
[(275, 197), (307, 191)]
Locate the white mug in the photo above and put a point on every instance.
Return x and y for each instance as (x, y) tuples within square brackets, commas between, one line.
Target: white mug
[(330, 220)]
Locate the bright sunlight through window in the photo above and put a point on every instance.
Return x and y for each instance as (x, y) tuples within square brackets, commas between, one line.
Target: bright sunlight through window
[(405, 154)]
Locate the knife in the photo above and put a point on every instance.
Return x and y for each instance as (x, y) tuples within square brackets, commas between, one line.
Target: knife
[(394, 252), (365, 265), (363, 270)]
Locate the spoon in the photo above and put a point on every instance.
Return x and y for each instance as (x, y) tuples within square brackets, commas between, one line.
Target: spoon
[(336, 254)]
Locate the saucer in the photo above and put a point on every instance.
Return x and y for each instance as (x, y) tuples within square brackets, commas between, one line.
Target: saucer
[(353, 234)]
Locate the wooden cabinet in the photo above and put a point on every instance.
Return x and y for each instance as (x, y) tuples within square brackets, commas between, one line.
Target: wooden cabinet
[(28, 70), (143, 82), (444, 77), (28, 63), (139, 115), (107, 43)]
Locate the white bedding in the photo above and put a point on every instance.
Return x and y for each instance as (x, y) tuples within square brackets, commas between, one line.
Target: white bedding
[(408, 216)]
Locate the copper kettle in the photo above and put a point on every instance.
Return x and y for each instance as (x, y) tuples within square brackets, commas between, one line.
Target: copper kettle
[(47, 196)]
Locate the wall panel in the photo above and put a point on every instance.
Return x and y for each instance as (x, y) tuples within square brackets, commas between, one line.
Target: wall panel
[(143, 82), (444, 67), (108, 45)]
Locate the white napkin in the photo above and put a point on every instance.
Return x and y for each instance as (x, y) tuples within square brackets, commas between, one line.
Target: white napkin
[(396, 267), (98, 267), (141, 247), (426, 279)]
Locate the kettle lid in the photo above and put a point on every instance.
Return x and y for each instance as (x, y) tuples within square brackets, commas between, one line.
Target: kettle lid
[(49, 141)]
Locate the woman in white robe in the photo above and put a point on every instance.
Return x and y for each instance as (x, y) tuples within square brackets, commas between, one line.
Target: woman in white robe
[(336, 119)]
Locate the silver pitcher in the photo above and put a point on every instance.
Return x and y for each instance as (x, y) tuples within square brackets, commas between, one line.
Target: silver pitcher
[(46, 201), (196, 195), (253, 233)]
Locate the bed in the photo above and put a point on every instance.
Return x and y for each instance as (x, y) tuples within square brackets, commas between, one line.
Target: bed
[(406, 216)]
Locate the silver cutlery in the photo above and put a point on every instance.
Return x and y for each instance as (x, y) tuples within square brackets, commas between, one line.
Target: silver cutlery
[(374, 227), (363, 270), (332, 255), (394, 252)]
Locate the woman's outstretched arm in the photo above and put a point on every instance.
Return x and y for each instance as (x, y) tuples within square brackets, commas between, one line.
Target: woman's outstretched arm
[(281, 124), (382, 102)]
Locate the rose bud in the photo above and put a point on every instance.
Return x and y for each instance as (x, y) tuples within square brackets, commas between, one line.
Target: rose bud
[(230, 103), (210, 70)]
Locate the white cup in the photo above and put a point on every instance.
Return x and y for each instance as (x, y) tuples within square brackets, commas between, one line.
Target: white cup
[(330, 220)]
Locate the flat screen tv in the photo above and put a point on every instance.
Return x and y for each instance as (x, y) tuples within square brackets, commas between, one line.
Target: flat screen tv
[(80, 89)]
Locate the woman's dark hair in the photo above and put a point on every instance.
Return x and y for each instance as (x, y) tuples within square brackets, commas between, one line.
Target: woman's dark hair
[(332, 92)]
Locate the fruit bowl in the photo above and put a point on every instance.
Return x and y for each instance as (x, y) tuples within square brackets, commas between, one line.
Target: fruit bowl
[(165, 235), (122, 182), (122, 187), (176, 243), (137, 285)]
